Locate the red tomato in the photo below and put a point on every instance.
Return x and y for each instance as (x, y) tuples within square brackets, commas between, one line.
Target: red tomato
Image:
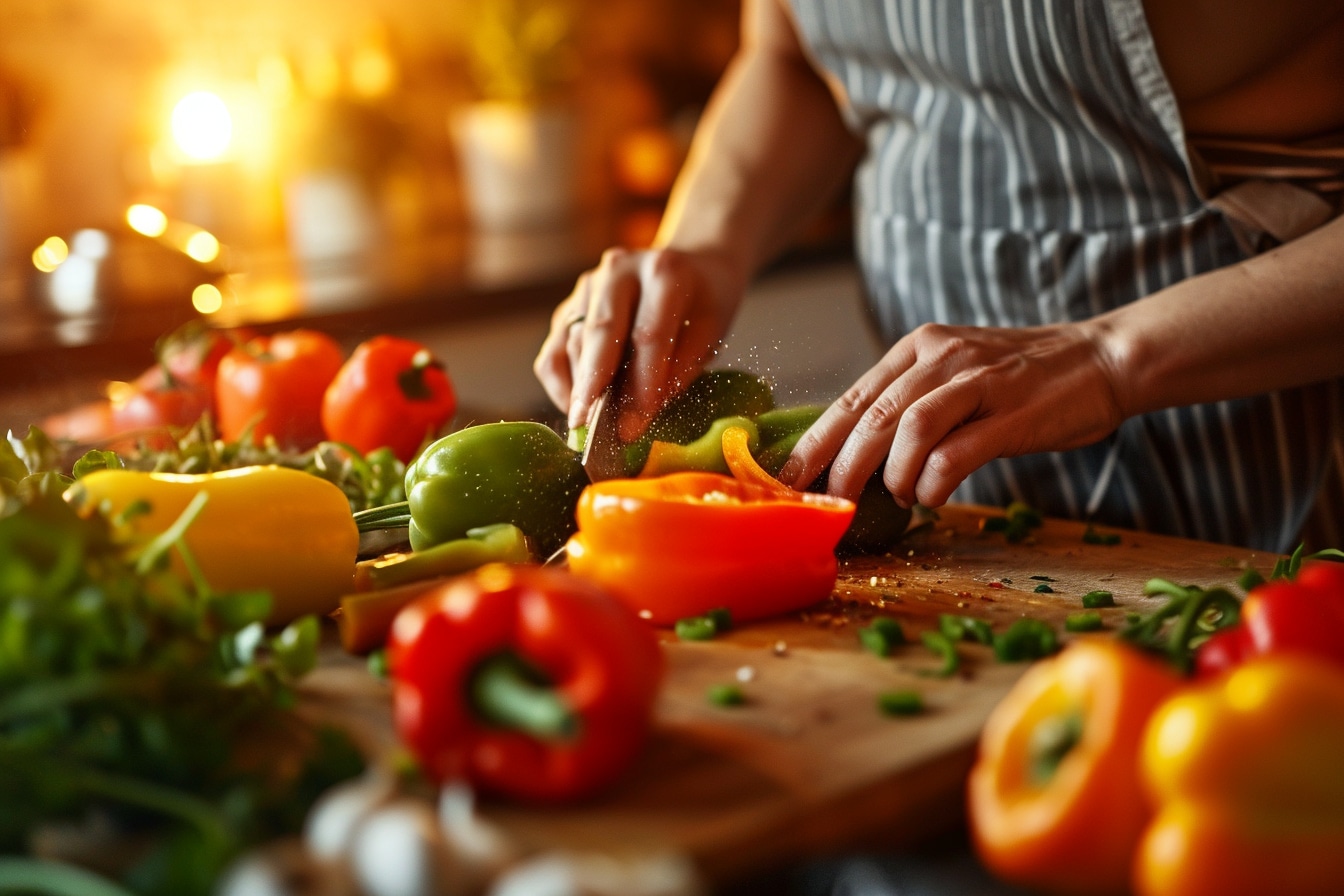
[(391, 393), (275, 384)]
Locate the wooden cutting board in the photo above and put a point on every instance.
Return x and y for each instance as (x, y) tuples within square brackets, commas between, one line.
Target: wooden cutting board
[(809, 765)]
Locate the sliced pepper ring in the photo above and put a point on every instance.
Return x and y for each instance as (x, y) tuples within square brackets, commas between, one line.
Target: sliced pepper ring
[(686, 543)]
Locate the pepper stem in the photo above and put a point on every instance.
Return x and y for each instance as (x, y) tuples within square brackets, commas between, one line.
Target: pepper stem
[(506, 691)]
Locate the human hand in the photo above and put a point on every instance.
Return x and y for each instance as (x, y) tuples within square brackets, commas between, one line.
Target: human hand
[(945, 400), (671, 307)]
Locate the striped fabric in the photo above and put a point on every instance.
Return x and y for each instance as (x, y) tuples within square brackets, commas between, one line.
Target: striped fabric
[(1026, 165)]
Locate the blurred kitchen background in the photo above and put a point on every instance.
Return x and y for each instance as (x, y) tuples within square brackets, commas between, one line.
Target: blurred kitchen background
[(441, 168)]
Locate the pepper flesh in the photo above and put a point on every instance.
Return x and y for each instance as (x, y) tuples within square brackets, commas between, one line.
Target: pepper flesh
[(684, 544), (1054, 799), (1245, 773), (270, 528), (601, 661)]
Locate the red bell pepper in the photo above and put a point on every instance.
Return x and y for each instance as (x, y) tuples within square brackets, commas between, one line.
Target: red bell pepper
[(524, 681), (683, 544), (1300, 615), (275, 384), (391, 392)]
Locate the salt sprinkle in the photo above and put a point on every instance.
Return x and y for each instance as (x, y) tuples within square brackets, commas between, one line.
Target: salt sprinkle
[(746, 674), (781, 648)]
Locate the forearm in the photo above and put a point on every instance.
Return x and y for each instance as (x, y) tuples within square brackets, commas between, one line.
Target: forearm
[(1272, 322), (770, 152)]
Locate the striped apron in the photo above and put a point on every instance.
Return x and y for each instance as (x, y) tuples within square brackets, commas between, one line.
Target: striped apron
[(1026, 165)]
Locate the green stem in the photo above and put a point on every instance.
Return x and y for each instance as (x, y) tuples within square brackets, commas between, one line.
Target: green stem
[(386, 517), (504, 690), (146, 795), (37, 876), (53, 693), (1051, 740)]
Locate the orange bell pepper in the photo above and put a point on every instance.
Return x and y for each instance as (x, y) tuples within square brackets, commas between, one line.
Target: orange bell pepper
[(1245, 772), (1054, 799), (684, 544)]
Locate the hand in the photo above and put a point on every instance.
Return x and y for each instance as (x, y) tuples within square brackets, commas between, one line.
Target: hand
[(672, 307), (945, 400)]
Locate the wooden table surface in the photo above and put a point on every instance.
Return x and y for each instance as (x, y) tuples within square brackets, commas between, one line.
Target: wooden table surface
[(808, 765)]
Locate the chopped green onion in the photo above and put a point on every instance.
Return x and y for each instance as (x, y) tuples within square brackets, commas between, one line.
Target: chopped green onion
[(726, 695), (722, 618), (882, 635), (378, 664), (695, 628), (1092, 536), (900, 703), (1094, 600), (1083, 622), (1043, 589), (946, 648), (1025, 639), (965, 628)]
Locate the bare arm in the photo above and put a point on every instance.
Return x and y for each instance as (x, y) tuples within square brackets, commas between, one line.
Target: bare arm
[(770, 151)]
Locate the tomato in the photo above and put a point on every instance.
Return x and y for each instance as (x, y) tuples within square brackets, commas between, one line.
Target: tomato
[(275, 384)]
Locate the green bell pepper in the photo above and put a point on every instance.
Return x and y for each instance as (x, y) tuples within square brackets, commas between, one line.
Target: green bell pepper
[(714, 394), (878, 520), (705, 454), (511, 472)]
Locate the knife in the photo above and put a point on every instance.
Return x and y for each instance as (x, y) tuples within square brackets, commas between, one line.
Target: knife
[(603, 450)]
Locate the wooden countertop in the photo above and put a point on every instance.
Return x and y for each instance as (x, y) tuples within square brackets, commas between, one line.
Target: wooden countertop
[(809, 766)]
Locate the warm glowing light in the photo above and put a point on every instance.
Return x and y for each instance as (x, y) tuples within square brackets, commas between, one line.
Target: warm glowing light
[(202, 126), (207, 298), (91, 244), (147, 219), (48, 256), (202, 246)]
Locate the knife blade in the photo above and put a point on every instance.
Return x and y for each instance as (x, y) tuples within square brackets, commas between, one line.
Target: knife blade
[(603, 450)]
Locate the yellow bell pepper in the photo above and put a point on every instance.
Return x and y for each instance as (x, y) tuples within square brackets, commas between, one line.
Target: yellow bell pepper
[(267, 528), (1054, 802), (1248, 781)]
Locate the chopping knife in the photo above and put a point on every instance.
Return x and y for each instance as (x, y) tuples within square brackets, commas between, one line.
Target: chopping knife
[(603, 451)]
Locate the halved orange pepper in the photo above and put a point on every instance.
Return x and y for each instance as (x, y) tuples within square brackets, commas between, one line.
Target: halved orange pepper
[(684, 544), (1245, 773), (1054, 798)]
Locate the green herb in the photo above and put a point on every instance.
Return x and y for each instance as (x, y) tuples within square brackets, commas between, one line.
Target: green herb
[(1041, 579), (1016, 523), (882, 636), (137, 696), (1190, 615), (900, 703), (377, 663), (1095, 600), (704, 628), (946, 648), (1092, 536), (965, 628), (726, 695), (1083, 622), (368, 480), (1025, 640), (1043, 589)]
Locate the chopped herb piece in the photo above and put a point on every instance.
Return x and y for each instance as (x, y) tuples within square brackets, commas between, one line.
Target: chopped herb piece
[(1041, 579), (1025, 639), (900, 703), (722, 617), (726, 695), (946, 648), (882, 636), (1043, 589), (965, 628), (1083, 622), (377, 664), (1094, 600), (1092, 536), (696, 628)]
